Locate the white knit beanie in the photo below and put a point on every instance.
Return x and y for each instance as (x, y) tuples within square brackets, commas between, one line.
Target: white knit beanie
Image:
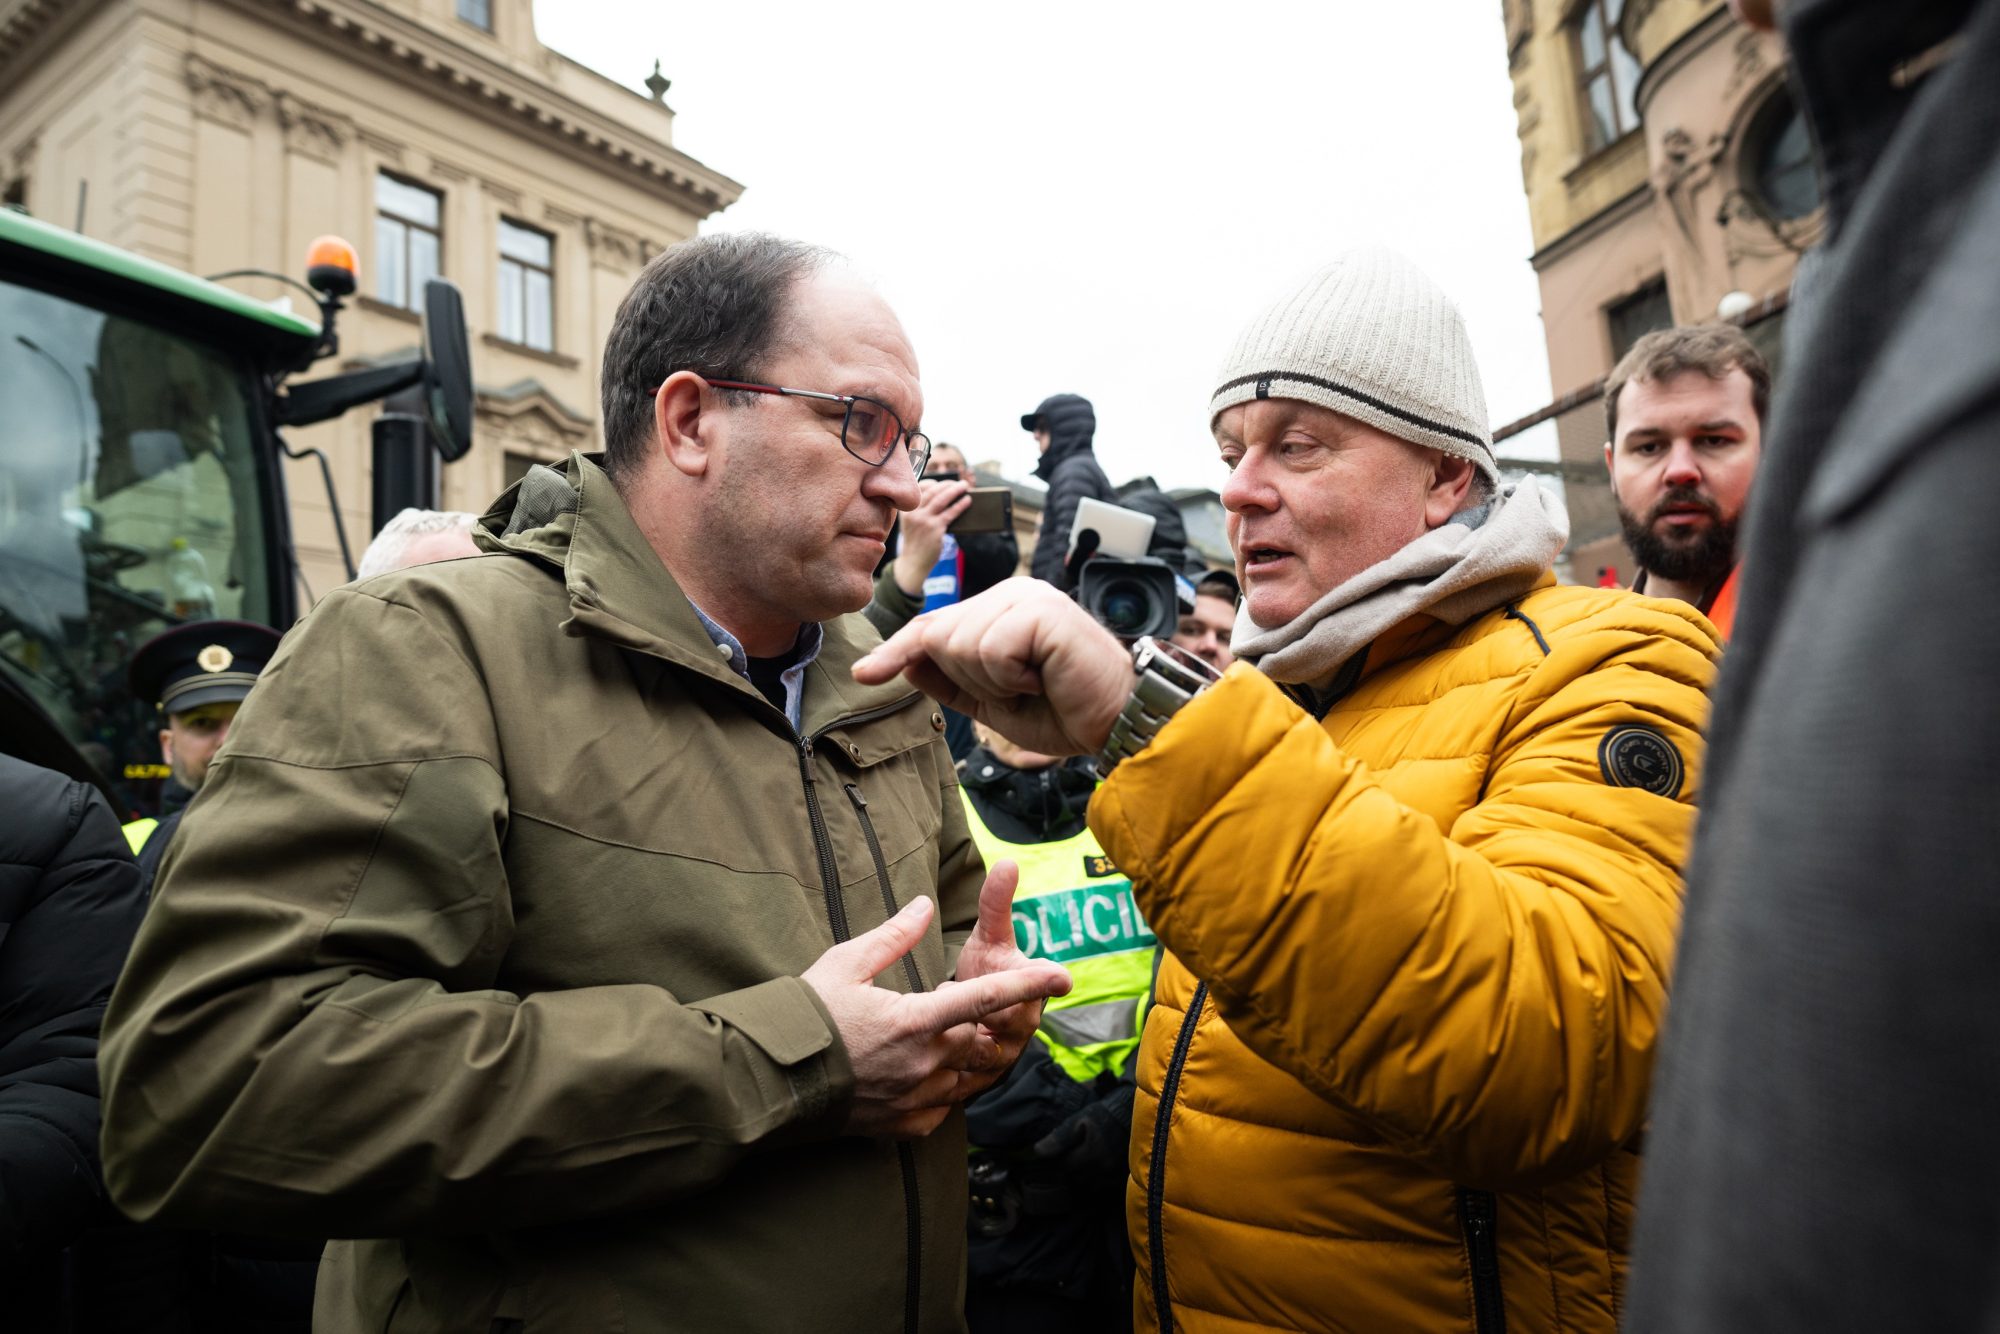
[(1371, 336)]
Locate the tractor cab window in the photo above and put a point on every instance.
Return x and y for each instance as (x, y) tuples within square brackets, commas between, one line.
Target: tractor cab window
[(130, 501)]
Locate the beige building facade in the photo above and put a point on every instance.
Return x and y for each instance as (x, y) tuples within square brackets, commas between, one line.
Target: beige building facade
[(438, 136), (1669, 179)]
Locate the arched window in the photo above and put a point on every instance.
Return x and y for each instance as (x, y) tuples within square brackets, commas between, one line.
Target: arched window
[(1777, 164), (1606, 74)]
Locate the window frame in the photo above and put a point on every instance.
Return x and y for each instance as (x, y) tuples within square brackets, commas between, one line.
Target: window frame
[(413, 297), (459, 7), (522, 337), (1606, 68), (1652, 288)]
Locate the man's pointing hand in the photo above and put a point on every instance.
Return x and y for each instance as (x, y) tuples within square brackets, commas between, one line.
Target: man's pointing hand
[(1021, 658)]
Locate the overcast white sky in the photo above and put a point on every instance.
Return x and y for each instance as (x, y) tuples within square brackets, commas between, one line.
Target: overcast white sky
[(1092, 197)]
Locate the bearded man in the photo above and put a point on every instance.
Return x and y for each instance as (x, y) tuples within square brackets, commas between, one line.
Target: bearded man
[(1684, 411)]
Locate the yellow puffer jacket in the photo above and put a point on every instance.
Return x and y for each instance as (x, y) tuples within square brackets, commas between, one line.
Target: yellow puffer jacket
[(1425, 945)]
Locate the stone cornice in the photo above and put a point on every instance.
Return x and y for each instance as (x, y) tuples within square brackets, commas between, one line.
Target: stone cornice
[(23, 21), (378, 36), (1617, 211), (418, 55)]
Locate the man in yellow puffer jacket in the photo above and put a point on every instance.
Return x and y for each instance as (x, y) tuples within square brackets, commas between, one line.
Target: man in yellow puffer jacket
[(1415, 859)]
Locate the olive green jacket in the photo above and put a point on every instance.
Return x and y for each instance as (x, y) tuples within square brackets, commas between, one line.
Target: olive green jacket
[(483, 940)]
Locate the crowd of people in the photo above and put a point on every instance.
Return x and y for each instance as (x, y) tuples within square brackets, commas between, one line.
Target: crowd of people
[(707, 892)]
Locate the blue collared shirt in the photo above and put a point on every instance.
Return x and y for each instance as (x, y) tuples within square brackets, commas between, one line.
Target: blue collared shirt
[(806, 646)]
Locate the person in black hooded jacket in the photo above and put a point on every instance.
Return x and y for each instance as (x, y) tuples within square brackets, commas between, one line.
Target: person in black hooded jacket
[(1063, 427), (70, 902)]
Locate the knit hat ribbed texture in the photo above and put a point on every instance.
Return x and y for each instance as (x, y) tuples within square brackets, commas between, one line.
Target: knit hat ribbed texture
[(1370, 335)]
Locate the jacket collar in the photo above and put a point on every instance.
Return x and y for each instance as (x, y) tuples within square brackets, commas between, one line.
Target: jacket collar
[(575, 522)]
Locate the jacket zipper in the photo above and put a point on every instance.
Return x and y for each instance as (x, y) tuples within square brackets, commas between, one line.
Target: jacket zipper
[(829, 874), (1478, 1215), (882, 878), (836, 917), (1156, 1188), (912, 1202)]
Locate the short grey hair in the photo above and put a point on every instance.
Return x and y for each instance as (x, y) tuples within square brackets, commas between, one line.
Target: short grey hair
[(386, 552)]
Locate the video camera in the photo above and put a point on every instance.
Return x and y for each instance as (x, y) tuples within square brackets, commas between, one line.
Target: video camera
[(1110, 575)]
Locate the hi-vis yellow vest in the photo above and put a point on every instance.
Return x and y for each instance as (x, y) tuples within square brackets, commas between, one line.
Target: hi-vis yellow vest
[(1072, 906), (138, 831)]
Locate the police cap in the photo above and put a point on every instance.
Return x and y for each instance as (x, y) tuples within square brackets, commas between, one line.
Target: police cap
[(202, 662)]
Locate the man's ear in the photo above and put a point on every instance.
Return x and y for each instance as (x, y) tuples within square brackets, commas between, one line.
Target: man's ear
[(679, 424), (1451, 483), (167, 746)]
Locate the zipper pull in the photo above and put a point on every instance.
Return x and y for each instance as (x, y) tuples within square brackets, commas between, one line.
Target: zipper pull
[(854, 795), (806, 750), (1479, 1234)]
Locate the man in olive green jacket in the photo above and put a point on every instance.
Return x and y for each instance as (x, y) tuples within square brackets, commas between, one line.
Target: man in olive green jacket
[(528, 929)]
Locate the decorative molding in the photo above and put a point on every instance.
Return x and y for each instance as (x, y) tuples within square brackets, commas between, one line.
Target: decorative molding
[(383, 147), (24, 155), (381, 37), (527, 413), (1519, 18), (557, 216), (1749, 63), (227, 96), (615, 248), (447, 171), (24, 23), (1684, 170), (311, 130), (506, 194)]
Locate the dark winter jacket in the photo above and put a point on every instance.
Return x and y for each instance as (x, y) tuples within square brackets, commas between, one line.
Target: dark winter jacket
[(69, 906), (1051, 1149), (1073, 475), (1822, 1152), (1169, 541)]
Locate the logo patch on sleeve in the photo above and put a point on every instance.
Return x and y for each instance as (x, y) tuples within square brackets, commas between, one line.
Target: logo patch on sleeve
[(1637, 756)]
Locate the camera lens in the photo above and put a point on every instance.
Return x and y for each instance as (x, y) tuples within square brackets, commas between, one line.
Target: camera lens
[(1126, 608)]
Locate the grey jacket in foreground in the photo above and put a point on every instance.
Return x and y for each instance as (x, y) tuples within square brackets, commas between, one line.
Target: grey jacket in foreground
[(1823, 1153)]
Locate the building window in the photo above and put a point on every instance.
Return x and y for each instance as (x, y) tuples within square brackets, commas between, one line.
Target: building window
[(1636, 316), (407, 240), (479, 13), (1607, 75), (527, 286), (1778, 165)]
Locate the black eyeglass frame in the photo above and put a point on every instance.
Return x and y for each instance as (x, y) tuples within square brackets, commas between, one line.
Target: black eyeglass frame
[(919, 457)]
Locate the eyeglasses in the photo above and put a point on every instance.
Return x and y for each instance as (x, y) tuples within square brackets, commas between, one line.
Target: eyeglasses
[(870, 431)]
